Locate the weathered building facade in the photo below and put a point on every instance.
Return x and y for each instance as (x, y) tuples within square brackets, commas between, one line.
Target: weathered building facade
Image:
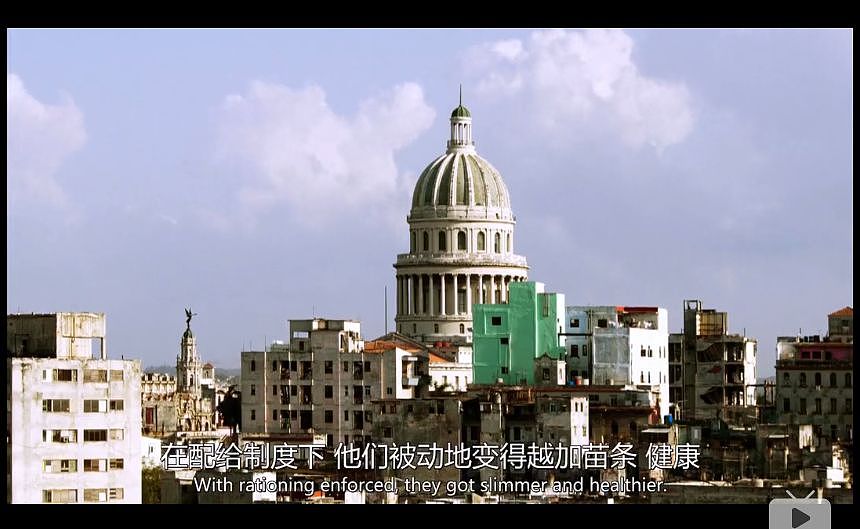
[(324, 380), (73, 423)]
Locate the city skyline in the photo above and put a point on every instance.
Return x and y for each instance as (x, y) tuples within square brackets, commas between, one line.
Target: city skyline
[(237, 173)]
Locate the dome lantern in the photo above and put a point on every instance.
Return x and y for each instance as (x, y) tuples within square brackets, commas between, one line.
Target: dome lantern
[(461, 128)]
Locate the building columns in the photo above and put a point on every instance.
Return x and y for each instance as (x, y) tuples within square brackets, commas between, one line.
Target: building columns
[(420, 294), (456, 295), (468, 293), (442, 295)]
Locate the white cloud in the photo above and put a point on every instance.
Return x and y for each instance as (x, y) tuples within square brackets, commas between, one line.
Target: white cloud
[(317, 162), (586, 77), (39, 137)]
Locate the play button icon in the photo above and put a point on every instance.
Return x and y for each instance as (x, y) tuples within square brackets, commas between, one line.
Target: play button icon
[(798, 518), (799, 513)]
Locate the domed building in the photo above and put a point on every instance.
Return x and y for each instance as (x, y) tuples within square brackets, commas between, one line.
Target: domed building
[(461, 242)]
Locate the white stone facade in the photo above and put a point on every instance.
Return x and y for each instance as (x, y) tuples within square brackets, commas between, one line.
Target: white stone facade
[(75, 430)]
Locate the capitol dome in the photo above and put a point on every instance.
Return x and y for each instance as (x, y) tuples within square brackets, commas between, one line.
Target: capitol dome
[(461, 178), (461, 242)]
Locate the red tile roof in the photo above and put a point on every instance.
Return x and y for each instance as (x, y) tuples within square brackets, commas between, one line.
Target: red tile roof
[(845, 311)]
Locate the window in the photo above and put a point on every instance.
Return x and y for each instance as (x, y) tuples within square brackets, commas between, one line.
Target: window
[(95, 495), (253, 389), (95, 375), (574, 350), (115, 494), (426, 240), (832, 380), (436, 328), (389, 391), (367, 366), (584, 349), (508, 247), (274, 415), (817, 379), (95, 435), (346, 367), (442, 242), (116, 375), (274, 365), (602, 323), (386, 432), (366, 391), (497, 243), (803, 406), (462, 328), (274, 391), (55, 405), (95, 465), (95, 406), (345, 416), (833, 406), (329, 392), (294, 391), (482, 246), (642, 351), (786, 405), (504, 370), (650, 352), (253, 415), (848, 406), (847, 380), (329, 416), (803, 380), (496, 320), (346, 391), (574, 322), (60, 496), (545, 377), (253, 365), (117, 434), (461, 240), (642, 377), (818, 406), (65, 375), (412, 242), (504, 340), (57, 466), (116, 405), (786, 379), (60, 436)]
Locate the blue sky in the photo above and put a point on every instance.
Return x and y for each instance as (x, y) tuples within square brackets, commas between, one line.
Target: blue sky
[(263, 175)]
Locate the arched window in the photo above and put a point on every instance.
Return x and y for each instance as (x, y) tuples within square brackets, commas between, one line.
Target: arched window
[(802, 379), (462, 328), (426, 242), (442, 245), (482, 246), (498, 243), (412, 242), (461, 240), (817, 379), (786, 379), (832, 380), (508, 246), (847, 380)]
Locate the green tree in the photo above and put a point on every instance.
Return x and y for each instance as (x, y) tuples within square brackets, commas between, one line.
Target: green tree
[(151, 485)]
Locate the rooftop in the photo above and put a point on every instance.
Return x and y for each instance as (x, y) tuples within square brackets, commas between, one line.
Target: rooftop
[(843, 312)]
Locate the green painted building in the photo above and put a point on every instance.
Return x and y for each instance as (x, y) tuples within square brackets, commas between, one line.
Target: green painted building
[(507, 338)]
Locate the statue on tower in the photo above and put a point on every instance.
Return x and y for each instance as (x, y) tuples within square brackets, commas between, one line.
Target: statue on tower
[(188, 316)]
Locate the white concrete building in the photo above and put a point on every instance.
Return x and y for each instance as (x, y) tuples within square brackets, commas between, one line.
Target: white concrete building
[(450, 368), (613, 345), (461, 249), (74, 420), (324, 380)]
